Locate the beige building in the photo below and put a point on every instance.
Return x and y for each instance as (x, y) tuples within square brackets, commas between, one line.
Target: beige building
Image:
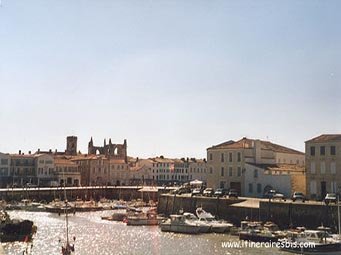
[(226, 162), (5, 162), (198, 170), (66, 171), (323, 164)]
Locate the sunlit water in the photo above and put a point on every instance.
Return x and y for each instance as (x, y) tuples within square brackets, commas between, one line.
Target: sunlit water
[(97, 236)]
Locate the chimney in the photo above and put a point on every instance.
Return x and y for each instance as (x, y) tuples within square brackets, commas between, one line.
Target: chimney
[(55, 151), (19, 152), (50, 150), (29, 152), (38, 150)]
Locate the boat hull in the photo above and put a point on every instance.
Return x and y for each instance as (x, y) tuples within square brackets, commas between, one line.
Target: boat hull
[(323, 249), (185, 229)]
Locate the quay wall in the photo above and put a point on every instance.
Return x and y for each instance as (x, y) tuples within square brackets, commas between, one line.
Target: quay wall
[(284, 214), (85, 193)]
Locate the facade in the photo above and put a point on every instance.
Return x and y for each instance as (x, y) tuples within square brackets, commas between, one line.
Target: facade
[(5, 162), (226, 162), (66, 171), (45, 169), (141, 172), (323, 164), (197, 170), (284, 178)]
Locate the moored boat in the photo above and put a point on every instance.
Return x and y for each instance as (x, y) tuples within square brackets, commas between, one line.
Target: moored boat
[(215, 225), (179, 224)]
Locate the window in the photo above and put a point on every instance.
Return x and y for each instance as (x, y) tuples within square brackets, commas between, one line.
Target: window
[(250, 188), (323, 167), (312, 167), (238, 157), (222, 171), (259, 188), (333, 168), (313, 189), (255, 173), (211, 170), (239, 171), (4, 161), (332, 150), (230, 156), (222, 185), (222, 157), (230, 171), (312, 151), (211, 156), (322, 150), (333, 186)]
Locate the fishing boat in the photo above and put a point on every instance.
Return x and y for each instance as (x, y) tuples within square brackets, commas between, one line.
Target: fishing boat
[(179, 224), (255, 232), (205, 227), (311, 242), (144, 218)]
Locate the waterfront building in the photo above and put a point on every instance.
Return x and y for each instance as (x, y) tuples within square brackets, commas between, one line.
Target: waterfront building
[(141, 172), (44, 169), (198, 170), (163, 170), (5, 162), (66, 171), (323, 164), (226, 162), (284, 178)]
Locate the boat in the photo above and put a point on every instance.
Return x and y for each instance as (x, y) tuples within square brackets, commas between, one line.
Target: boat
[(215, 225), (116, 216), (205, 227), (12, 230), (144, 218), (60, 207), (179, 224), (311, 242), (86, 206), (254, 231)]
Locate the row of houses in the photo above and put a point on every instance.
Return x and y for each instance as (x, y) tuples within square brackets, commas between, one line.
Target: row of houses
[(102, 165), (251, 166)]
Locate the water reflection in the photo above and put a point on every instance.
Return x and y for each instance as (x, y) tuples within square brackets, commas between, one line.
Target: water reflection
[(96, 236)]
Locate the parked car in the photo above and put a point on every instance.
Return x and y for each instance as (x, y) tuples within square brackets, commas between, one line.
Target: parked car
[(233, 193), (330, 198), (220, 192), (209, 192), (182, 190), (298, 196), (31, 185), (270, 193), (279, 196), (196, 192)]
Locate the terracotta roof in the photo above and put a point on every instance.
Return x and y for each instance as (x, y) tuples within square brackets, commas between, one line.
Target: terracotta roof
[(279, 167), (63, 161), (326, 138), (249, 143)]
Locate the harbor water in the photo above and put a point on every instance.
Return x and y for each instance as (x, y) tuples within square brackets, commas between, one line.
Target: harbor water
[(95, 236)]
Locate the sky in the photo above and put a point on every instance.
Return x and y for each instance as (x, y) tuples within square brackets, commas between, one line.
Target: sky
[(171, 77)]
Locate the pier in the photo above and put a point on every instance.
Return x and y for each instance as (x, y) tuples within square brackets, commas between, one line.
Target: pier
[(310, 214), (90, 192)]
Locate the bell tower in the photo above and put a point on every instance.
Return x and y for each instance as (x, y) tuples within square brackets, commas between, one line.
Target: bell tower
[(71, 145)]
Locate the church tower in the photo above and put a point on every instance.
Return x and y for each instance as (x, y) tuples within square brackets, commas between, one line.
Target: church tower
[(71, 145)]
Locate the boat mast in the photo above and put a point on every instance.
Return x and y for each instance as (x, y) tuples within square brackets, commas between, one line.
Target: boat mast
[(338, 213)]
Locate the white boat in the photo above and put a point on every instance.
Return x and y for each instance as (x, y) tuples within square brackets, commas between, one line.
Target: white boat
[(204, 226), (179, 224), (216, 226), (320, 242)]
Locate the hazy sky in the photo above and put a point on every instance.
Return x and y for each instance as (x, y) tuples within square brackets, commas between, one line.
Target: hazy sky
[(172, 77)]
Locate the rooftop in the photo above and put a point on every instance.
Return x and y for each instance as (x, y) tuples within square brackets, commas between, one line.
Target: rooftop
[(326, 138), (246, 143)]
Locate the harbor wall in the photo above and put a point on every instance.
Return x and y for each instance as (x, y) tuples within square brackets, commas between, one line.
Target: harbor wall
[(284, 214), (85, 193)]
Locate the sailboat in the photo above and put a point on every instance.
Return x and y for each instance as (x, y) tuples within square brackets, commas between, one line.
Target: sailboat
[(67, 248)]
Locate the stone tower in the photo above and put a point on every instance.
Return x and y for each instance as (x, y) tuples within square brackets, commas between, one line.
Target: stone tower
[(71, 145)]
